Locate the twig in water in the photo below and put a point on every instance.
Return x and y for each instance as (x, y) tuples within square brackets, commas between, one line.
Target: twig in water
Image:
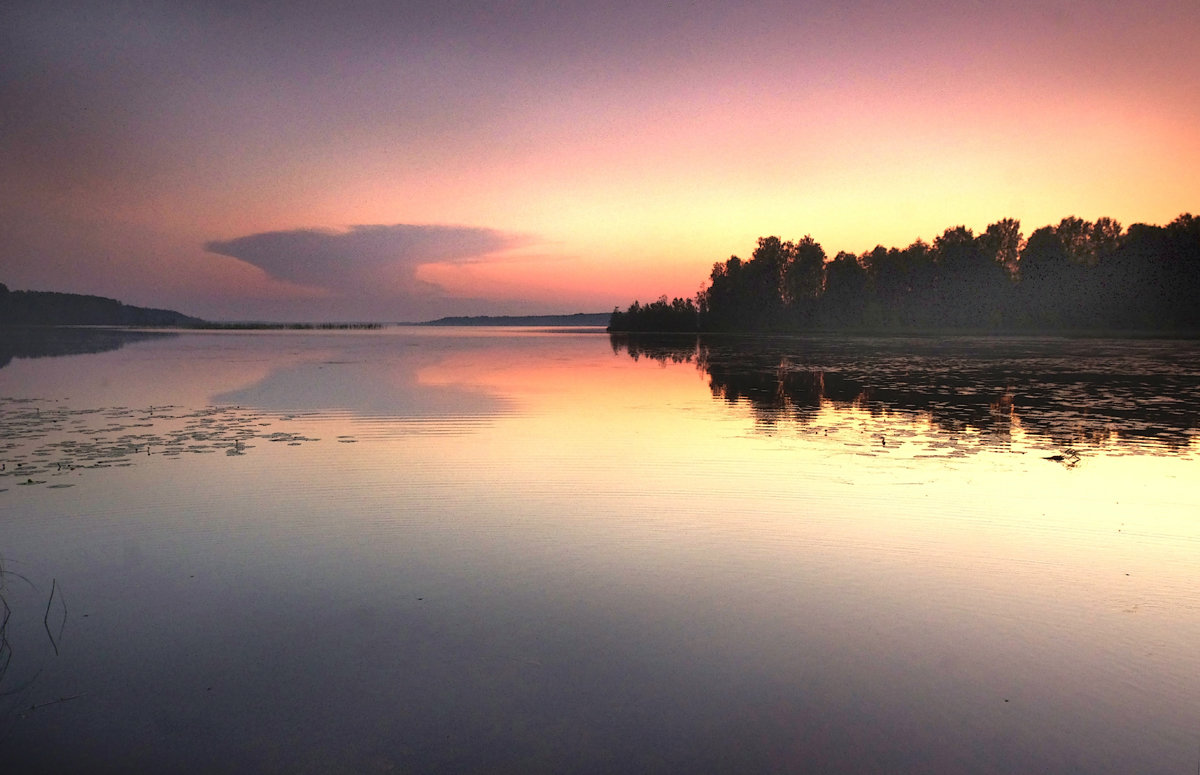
[(46, 617), (5, 646), (53, 702)]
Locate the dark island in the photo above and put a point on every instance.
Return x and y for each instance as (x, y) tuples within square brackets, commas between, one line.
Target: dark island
[(49, 308), (1078, 277), (30, 309)]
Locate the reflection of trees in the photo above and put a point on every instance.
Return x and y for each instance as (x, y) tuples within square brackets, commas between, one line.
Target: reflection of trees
[(41, 342), (1067, 392), (664, 349)]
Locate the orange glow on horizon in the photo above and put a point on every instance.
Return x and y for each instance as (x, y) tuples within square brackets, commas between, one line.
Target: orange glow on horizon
[(632, 166)]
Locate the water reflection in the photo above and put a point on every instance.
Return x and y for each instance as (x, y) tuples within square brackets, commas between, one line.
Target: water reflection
[(229, 394), (42, 342), (1064, 392), (387, 389), (609, 576)]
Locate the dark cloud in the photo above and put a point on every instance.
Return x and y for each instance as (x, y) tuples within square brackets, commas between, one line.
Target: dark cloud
[(364, 259)]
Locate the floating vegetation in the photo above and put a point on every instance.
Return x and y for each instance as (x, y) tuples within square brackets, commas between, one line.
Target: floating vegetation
[(37, 441), (1089, 395), (253, 326)]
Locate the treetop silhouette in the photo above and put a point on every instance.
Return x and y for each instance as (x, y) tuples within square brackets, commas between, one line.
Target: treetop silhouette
[(1076, 276)]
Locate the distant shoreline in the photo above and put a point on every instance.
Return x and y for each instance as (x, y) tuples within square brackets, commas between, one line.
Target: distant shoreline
[(53, 308), (581, 319), (255, 326), (575, 319)]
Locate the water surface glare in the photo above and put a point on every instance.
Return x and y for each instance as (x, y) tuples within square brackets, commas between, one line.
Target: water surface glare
[(544, 551)]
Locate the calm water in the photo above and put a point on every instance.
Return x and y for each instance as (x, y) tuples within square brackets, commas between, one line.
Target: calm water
[(424, 550)]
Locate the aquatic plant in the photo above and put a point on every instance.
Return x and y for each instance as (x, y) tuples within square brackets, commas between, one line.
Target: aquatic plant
[(52, 621)]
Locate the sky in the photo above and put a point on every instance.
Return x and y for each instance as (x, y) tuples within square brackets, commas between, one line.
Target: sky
[(393, 161)]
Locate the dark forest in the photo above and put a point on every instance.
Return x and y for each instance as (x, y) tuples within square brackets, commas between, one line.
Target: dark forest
[(1077, 276)]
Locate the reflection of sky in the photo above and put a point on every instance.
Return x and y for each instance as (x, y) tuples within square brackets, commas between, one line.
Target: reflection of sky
[(390, 390), (616, 573), (399, 374)]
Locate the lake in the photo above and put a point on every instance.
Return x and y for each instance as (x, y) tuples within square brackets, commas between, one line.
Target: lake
[(523, 550)]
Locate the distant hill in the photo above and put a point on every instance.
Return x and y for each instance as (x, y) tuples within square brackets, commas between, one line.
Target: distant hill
[(48, 308), (577, 319)]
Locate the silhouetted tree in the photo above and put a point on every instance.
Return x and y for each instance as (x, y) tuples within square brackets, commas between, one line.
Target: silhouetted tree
[(972, 284), (726, 304), (661, 316), (902, 286), (803, 280), (765, 274), (1002, 243), (844, 302), (1045, 271), (1074, 275)]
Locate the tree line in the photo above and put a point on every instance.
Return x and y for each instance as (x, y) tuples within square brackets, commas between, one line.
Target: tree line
[(1075, 276), (50, 308)]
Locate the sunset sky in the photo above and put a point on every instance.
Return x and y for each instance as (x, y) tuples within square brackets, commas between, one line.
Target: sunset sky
[(407, 160)]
